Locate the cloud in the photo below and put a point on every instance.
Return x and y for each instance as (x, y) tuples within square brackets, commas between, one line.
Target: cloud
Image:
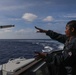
[(48, 19), (8, 30), (25, 31), (18, 34), (29, 17), (28, 33), (70, 16)]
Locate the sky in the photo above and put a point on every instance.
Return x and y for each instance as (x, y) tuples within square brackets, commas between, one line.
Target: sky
[(25, 14)]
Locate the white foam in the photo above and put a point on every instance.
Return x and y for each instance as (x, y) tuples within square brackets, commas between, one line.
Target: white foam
[(61, 46), (47, 49)]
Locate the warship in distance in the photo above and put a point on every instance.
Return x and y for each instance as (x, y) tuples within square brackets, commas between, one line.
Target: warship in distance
[(23, 66)]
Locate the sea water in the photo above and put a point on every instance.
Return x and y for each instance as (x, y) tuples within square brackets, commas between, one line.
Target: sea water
[(19, 48)]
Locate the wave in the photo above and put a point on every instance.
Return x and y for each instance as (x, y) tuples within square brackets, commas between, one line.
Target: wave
[(47, 49)]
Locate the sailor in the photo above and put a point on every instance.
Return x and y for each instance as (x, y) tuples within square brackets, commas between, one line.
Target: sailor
[(62, 62)]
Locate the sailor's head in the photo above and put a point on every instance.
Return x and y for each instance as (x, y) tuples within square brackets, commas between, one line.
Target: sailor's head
[(71, 28)]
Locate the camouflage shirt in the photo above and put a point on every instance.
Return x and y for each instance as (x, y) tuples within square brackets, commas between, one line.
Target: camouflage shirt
[(66, 57)]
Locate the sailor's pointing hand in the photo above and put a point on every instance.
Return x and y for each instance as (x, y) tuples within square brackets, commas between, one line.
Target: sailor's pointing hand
[(41, 30)]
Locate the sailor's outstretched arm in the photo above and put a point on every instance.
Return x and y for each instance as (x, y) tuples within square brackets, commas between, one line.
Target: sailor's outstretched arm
[(54, 35)]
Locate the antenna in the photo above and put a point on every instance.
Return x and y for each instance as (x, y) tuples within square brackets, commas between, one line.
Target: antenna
[(6, 26)]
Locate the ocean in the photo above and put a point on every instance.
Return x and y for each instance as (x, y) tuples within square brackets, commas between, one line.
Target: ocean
[(19, 48)]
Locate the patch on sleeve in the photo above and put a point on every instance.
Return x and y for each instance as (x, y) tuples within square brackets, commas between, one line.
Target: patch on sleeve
[(70, 53)]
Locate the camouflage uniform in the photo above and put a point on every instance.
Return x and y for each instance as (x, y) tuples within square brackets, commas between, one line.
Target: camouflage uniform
[(62, 62)]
